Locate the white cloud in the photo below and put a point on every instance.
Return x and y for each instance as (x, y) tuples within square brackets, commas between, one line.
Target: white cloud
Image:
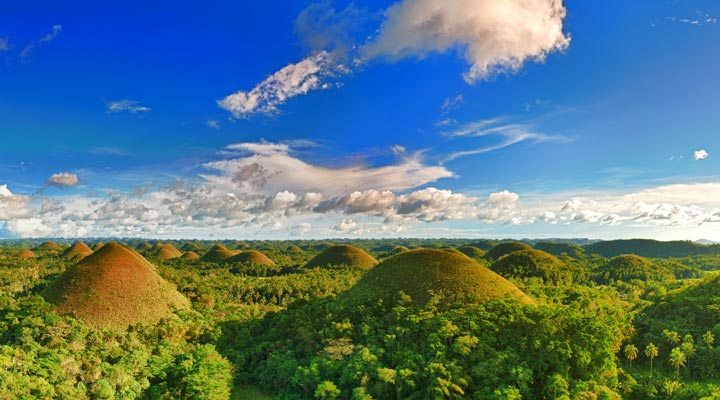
[(130, 106), (700, 154), (495, 35), (4, 43), (29, 227), (346, 226), (451, 103), (313, 73), (510, 134), (63, 179), (213, 123), (13, 206), (56, 29), (26, 52)]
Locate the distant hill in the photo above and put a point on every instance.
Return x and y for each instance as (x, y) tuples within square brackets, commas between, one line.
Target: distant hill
[(650, 248), (559, 249), (77, 251), (533, 264), (504, 249), (629, 267), (253, 257), (343, 254)]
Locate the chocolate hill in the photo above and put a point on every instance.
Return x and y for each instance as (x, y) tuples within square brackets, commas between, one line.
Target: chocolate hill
[(343, 254), (253, 257), (218, 253), (166, 252), (113, 288), (77, 251)]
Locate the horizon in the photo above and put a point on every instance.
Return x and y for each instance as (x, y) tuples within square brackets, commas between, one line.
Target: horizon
[(327, 120)]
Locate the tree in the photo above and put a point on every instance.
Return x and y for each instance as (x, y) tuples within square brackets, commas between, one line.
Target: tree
[(688, 347), (631, 353), (709, 339), (677, 360), (651, 351), (327, 390), (672, 337)]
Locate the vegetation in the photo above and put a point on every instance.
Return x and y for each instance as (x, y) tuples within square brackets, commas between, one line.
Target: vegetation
[(252, 257), (428, 323), (503, 249), (560, 249)]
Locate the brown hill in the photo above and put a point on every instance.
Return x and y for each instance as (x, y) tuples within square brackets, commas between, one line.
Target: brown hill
[(503, 249), (50, 247), (113, 288), (418, 272), (253, 257), (166, 252), (77, 251), (218, 253), (26, 254), (343, 254), (97, 246), (190, 256)]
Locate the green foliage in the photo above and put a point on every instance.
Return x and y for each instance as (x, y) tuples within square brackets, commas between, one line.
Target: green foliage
[(533, 264), (503, 249)]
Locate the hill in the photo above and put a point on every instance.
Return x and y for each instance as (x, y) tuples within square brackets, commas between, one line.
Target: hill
[(650, 248), (629, 267), (218, 253), (471, 251), (504, 249), (294, 249), (343, 254), (50, 247), (77, 251), (113, 288), (559, 249), (26, 254), (190, 256), (533, 264), (416, 272), (485, 244), (97, 246), (252, 257), (166, 252)]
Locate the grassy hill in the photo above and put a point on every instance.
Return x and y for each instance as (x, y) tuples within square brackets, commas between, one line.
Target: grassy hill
[(628, 267), (77, 251), (218, 253), (166, 252), (416, 272), (113, 288), (504, 249), (559, 249), (253, 257), (650, 248), (533, 264), (343, 254)]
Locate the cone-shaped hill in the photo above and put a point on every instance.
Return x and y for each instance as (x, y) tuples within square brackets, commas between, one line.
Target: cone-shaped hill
[(533, 264), (26, 254), (503, 249), (295, 249), (471, 251), (629, 267), (50, 247), (559, 249), (343, 254), (416, 272), (113, 288), (190, 256), (218, 253), (692, 310), (253, 257), (97, 246), (76, 252), (166, 252)]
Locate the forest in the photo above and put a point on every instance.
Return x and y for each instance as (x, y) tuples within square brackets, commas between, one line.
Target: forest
[(359, 319)]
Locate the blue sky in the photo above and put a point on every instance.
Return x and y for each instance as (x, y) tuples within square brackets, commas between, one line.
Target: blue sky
[(603, 123)]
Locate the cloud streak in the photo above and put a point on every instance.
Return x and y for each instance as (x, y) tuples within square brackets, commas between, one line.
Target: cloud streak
[(128, 106)]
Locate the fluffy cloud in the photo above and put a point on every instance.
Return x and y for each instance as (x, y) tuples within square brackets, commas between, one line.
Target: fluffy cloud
[(63, 179), (495, 35), (129, 106), (312, 73), (13, 206), (700, 154)]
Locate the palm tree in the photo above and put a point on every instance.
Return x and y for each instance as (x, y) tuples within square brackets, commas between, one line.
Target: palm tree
[(677, 360), (709, 339), (631, 353), (651, 351), (672, 337)]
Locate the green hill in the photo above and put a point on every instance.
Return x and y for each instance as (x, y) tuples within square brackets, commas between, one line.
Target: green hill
[(471, 251), (629, 267), (504, 249), (559, 249), (650, 248), (533, 264), (112, 288), (50, 247), (343, 254), (416, 272)]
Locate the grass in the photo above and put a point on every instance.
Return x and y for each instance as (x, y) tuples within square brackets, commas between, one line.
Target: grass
[(113, 288), (343, 254), (417, 272), (26, 254), (503, 249), (49, 246), (472, 252), (167, 252), (190, 256)]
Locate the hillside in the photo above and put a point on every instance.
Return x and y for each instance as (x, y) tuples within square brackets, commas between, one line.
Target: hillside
[(650, 248), (218, 253), (628, 267), (559, 249), (113, 288), (504, 249), (252, 257), (166, 252), (77, 251), (533, 264)]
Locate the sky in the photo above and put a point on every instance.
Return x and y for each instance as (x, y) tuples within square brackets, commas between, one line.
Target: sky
[(394, 118)]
